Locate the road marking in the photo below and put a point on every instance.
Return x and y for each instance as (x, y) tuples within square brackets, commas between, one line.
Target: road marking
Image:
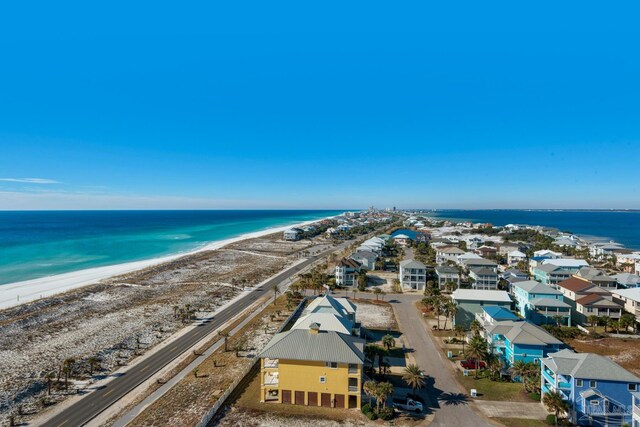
[(108, 393), (144, 369)]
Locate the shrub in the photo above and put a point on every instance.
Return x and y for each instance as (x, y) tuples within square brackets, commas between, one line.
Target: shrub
[(366, 409), (371, 415), (386, 413), (534, 396), (551, 419)]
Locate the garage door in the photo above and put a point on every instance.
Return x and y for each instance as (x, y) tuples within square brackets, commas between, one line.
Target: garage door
[(339, 400), (286, 396), (313, 398), (325, 400), (299, 397)]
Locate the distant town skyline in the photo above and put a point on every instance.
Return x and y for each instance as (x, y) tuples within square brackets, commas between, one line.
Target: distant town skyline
[(299, 107)]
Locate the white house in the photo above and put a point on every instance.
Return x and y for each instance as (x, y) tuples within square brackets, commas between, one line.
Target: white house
[(413, 274), (346, 272), (546, 253), (402, 239), (448, 253), (367, 259), (514, 257), (292, 234)]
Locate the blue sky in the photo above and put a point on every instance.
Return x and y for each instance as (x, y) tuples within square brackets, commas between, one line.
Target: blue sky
[(319, 105)]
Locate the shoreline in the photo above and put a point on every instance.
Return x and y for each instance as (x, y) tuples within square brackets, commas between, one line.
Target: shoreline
[(26, 291)]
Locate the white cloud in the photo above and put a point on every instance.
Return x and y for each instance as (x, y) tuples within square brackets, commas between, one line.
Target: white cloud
[(31, 180)]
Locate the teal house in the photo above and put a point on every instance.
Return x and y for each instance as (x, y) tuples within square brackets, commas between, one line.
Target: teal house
[(541, 304), (520, 340)]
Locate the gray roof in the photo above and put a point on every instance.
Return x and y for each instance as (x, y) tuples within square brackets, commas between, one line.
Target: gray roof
[(364, 254), (549, 302), (593, 274), (523, 332), (479, 261), (328, 304), (588, 366), (482, 271), (446, 269), (411, 263), (534, 287), (480, 295), (323, 346), (627, 279), (548, 268)]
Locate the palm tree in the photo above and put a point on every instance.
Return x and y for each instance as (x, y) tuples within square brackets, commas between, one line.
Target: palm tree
[(383, 390), (275, 290), (225, 335), (414, 378), (377, 292), (369, 388), (451, 309), (495, 365), (477, 348), (49, 377), (460, 332), (430, 291), (626, 320), (67, 370), (593, 321), (476, 327), (604, 320), (388, 342), (439, 302), (93, 362), (615, 325), (555, 403)]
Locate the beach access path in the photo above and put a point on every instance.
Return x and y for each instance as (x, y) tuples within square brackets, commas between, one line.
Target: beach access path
[(85, 409)]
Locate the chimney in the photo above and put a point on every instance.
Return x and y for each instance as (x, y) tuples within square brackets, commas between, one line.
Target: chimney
[(314, 328)]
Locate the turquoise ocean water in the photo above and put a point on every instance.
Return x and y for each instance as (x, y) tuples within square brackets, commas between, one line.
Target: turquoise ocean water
[(44, 243)]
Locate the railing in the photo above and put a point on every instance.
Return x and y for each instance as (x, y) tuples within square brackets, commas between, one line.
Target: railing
[(353, 388), (271, 363), (549, 376), (353, 371), (636, 410), (271, 380), (564, 385)]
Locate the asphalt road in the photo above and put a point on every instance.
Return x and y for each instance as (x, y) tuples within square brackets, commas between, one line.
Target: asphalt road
[(97, 401), (449, 403)]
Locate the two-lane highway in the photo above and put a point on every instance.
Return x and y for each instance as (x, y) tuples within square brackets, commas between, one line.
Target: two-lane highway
[(97, 401)]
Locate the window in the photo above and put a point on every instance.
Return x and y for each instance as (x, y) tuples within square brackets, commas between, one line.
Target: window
[(633, 387), (589, 309), (332, 365), (578, 383), (595, 402), (593, 384), (323, 380)]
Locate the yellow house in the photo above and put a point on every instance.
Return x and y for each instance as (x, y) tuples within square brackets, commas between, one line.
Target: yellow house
[(312, 367)]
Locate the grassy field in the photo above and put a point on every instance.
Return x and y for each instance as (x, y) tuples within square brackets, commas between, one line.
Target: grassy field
[(519, 422), (493, 390)]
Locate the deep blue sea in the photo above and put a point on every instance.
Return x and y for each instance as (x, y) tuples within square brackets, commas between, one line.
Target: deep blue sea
[(44, 243), (621, 226)]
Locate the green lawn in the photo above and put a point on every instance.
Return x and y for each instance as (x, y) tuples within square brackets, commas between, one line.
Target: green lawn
[(520, 422), (493, 390)]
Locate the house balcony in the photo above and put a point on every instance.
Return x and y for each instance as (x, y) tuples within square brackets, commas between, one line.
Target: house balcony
[(499, 344), (353, 389), (271, 379), (353, 370), (354, 386), (636, 411), (548, 375), (564, 385), (271, 363)]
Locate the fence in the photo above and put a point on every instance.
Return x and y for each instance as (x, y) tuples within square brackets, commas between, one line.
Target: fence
[(204, 421)]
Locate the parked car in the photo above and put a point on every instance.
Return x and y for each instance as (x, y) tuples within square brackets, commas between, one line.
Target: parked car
[(407, 404), (471, 364)]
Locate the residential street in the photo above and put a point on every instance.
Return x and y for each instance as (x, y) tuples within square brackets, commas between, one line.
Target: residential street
[(448, 401)]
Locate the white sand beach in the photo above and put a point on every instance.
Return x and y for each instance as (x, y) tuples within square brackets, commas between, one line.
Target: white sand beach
[(17, 293)]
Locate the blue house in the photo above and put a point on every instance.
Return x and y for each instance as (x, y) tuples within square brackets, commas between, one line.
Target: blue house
[(599, 391), (541, 304), (520, 340)]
